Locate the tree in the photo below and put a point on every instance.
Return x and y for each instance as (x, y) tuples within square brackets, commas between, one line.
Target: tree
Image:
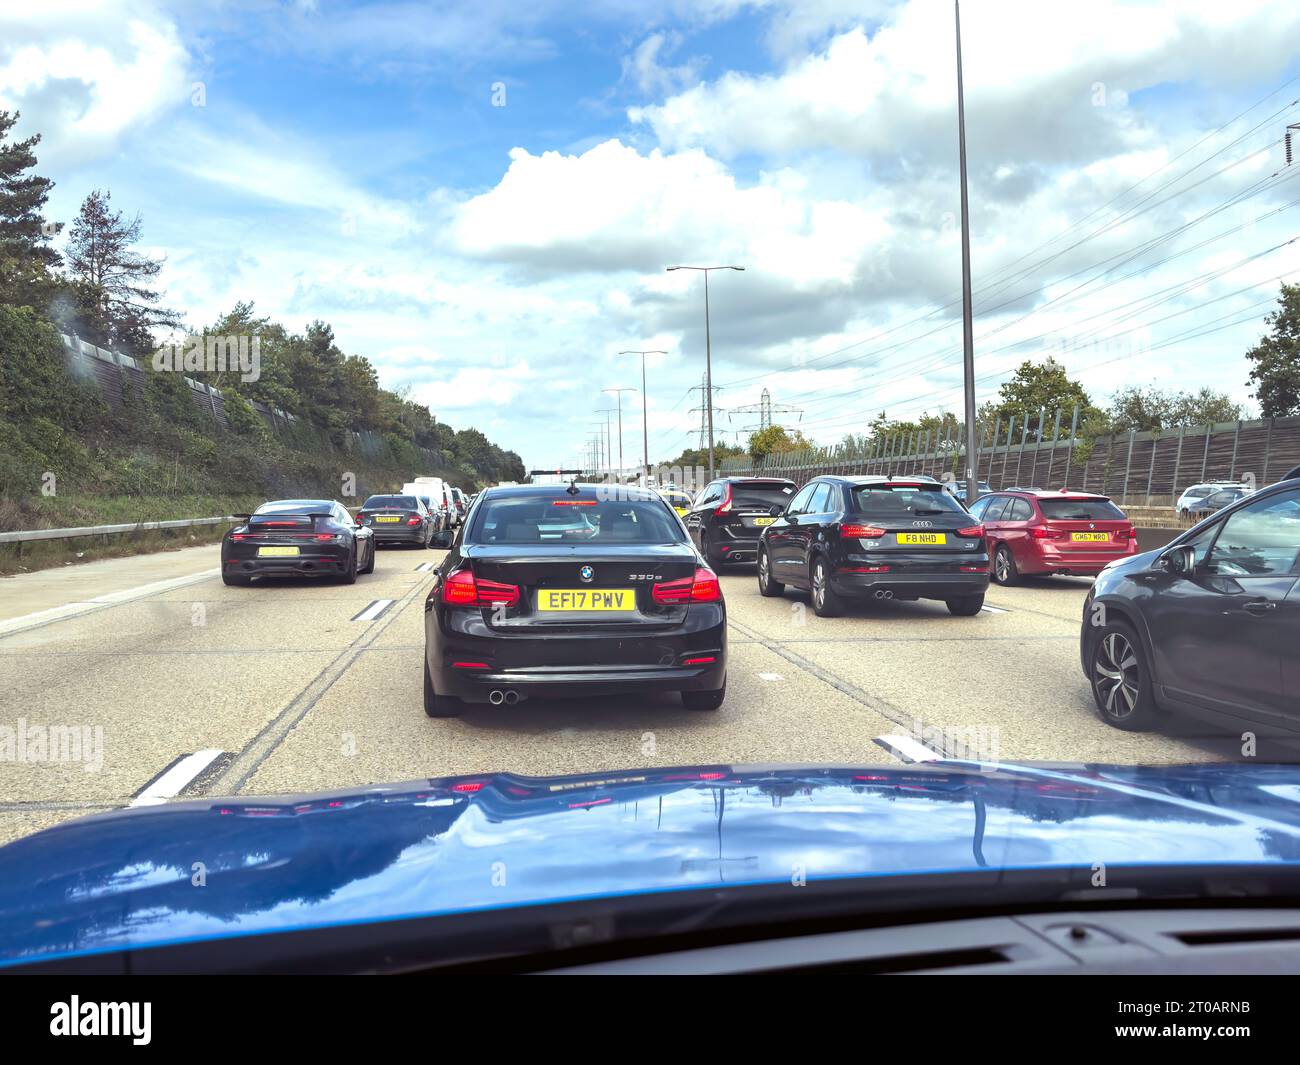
[(1153, 409), (116, 306), (1041, 386), (26, 261), (775, 438), (1276, 358)]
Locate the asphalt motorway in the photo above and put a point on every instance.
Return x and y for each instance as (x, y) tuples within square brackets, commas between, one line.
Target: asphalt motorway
[(183, 688)]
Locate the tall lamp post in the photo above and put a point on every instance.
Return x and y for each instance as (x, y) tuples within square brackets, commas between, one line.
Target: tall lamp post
[(645, 431), (708, 350), (967, 328), (609, 447), (618, 393)]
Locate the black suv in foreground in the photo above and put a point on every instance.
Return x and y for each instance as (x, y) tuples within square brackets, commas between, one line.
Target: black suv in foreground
[(854, 537), (1207, 625), (729, 513)]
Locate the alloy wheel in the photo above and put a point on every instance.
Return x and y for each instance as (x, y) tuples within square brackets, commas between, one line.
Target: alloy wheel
[(1117, 674)]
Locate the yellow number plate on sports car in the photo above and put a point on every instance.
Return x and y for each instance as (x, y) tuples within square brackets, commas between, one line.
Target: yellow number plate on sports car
[(277, 552), (923, 539), (764, 521), (614, 599), (1090, 538), (388, 517)]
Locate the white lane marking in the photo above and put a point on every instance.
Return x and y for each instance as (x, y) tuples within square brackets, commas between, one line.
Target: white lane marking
[(770, 676), (84, 606), (994, 609), (172, 782), (373, 610), (425, 567), (908, 749)]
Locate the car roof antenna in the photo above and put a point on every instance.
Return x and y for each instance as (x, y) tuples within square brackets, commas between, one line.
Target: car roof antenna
[(573, 486)]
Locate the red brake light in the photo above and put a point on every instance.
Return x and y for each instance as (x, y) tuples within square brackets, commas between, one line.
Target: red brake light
[(971, 530), (702, 588), (238, 536), (701, 660), (574, 502), (324, 537), (860, 532), (414, 519), (725, 506), (461, 589), (469, 786)]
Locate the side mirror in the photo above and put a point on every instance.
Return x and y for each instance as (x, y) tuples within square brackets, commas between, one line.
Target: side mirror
[(775, 510), (1180, 561)]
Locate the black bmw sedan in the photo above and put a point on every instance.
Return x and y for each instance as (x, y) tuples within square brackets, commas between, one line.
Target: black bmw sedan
[(557, 591), (297, 537), (879, 537)]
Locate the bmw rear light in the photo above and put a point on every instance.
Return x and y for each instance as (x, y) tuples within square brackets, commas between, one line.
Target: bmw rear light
[(725, 506), (971, 530), (702, 588), (1042, 532), (461, 589), (860, 532), (1129, 533)]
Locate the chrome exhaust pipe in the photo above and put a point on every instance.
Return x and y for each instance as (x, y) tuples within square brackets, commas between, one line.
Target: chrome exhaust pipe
[(512, 697), (496, 696), (884, 593)]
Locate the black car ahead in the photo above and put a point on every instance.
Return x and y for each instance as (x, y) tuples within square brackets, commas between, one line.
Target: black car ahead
[(398, 519), (854, 537), (555, 591), (729, 513), (297, 537), (1207, 625)]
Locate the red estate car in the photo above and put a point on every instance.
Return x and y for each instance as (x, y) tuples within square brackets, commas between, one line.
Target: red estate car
[(1035, 532)]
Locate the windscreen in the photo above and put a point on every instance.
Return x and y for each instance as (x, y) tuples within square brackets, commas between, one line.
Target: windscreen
[(884, 501), (293, 506), (761, 493), (391, 503), (1080, 510), (533, 520)]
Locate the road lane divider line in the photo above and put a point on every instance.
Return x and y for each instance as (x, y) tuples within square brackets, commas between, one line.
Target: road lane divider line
[(426, 567), (908, 749), (100, 602), (770, 676), (994, 609), (172, 781), (374, 611)]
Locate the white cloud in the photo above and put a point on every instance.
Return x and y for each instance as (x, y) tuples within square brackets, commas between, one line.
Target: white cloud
[(86, 73)]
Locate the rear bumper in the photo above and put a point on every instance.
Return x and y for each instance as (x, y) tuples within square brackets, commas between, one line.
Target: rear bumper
[(402, 534), (1051, 560), (315, 565), (904, 585), (557, 665)]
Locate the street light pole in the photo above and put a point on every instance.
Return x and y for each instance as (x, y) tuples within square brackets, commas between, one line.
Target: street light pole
[(609, 443), (645, 420), (618, 392), (708, 350), (967, 325)]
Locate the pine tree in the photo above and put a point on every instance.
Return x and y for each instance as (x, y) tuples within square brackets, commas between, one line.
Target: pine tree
[(26, 260)]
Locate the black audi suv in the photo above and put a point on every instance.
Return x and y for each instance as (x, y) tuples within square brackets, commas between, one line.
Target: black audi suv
[(556, 591), (856, 537), (297, 537), (729, 513)]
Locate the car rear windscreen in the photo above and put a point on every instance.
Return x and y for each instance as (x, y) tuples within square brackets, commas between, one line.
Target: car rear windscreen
[(397, 502), (293, 506), (761, 493), (884, 501), (546, 520), (1080, 510)]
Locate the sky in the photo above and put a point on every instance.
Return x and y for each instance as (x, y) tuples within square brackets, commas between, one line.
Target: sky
[(482, 197)]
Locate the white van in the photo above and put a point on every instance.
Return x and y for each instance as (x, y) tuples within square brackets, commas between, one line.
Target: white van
[(438, 492)]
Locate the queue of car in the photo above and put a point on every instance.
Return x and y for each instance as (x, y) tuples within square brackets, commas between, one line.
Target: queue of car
[(556, 590)]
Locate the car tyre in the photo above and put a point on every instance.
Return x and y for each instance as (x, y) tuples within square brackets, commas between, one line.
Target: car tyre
[(1005, 572), (370, 562), (436, 705), (1120, 677), (965, 606), (350, 575), (825, 601), (236, 580), (766, 585), (705, 700)]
